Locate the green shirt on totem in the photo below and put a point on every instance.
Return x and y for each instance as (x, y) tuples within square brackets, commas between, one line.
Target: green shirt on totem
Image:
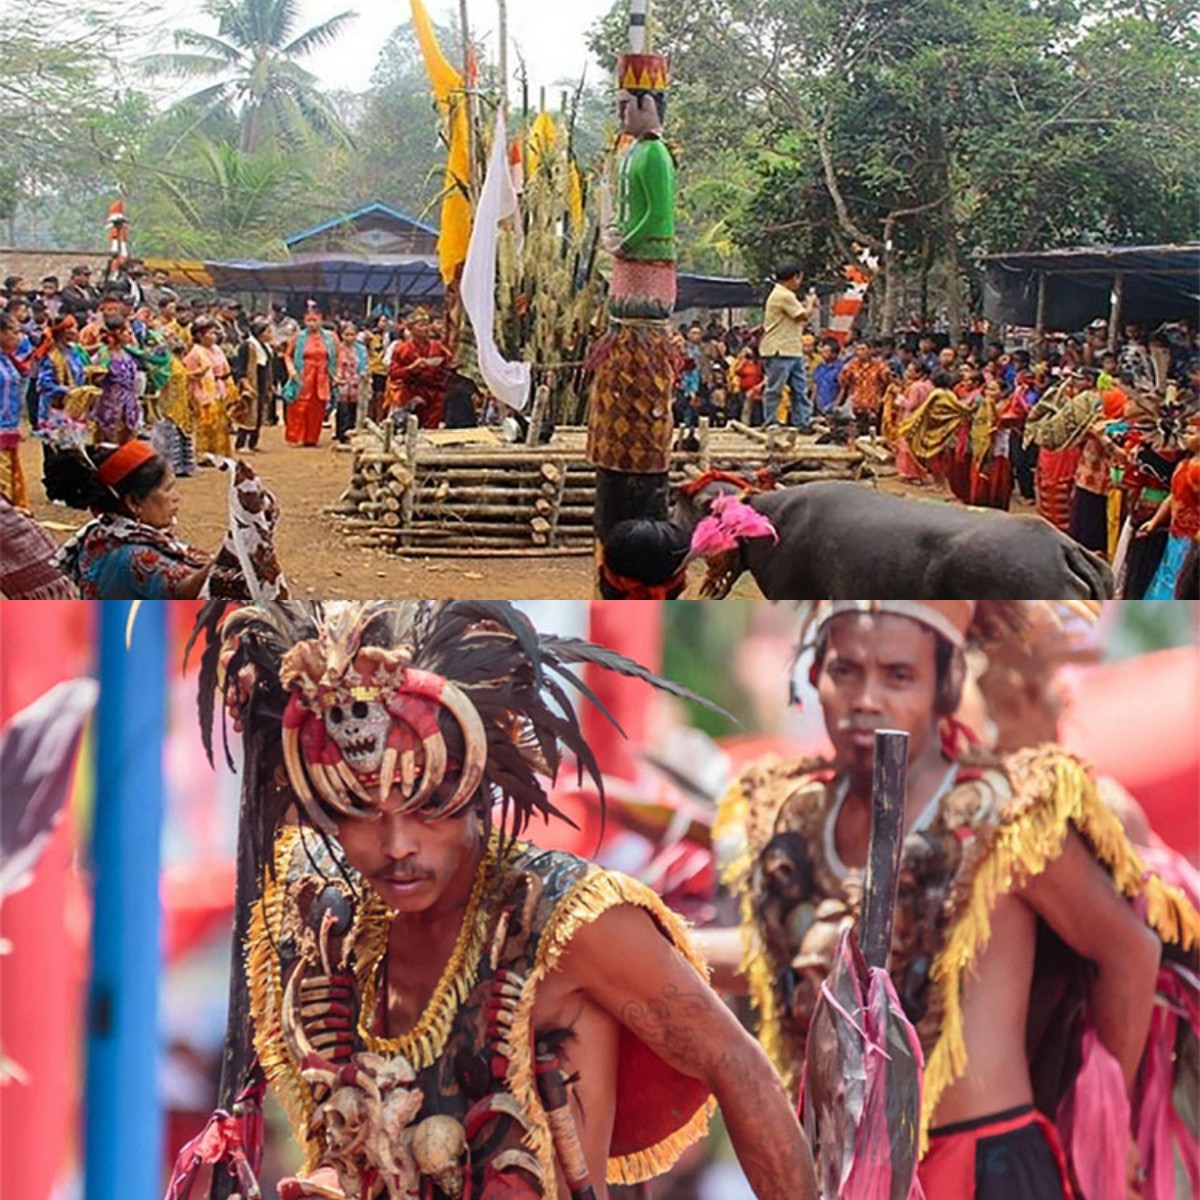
[(646, 202)]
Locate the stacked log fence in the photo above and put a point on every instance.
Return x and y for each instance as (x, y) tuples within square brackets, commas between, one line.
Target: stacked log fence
[(429, 494)]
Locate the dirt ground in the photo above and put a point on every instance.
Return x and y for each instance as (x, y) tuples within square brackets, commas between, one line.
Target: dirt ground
[(320, 561), (316, 556)]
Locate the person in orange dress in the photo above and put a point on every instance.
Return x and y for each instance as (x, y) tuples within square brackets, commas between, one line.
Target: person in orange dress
[(312, 362)]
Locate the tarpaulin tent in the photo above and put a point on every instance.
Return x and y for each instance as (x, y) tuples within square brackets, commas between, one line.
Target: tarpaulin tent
[(416, 279), (1064, 290), (409, 278), (715, 291)]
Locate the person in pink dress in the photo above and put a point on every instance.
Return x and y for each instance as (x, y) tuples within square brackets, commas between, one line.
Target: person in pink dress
[(917, 388)]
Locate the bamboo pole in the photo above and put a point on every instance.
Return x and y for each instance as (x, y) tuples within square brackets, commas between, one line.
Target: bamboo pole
[(502, 18)]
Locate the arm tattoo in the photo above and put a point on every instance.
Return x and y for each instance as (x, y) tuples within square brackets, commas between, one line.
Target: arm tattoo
[(686, 1029)]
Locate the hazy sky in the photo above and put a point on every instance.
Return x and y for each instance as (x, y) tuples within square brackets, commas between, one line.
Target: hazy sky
[(548, 34)]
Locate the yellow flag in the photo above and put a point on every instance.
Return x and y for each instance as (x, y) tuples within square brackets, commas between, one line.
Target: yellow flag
[(442, 74), (447, 83), (542, 137), (575, 199)]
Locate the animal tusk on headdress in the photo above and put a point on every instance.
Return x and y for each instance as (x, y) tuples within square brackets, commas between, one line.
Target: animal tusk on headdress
[(353, 784), (293, 761), (332, 792), (474, 748), (434, 770), (387, 772)]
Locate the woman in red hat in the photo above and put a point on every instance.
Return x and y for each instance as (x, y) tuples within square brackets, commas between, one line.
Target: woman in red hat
[(129, 551)]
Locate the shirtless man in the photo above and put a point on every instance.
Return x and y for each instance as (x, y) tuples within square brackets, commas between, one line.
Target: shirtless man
[(995, 850), (443, 1010)]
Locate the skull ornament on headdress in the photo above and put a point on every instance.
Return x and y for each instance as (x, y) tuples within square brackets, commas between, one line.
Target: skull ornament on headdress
[(400, 706), (359, 717)]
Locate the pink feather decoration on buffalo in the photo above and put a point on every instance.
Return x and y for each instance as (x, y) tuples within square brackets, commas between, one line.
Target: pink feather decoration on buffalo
[(727, 524)]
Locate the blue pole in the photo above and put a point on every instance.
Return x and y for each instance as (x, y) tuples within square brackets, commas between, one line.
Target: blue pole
[(124, 1137)]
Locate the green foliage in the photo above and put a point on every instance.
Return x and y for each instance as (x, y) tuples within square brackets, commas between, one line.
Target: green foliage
[(801, 127), (251, 66), (228, 203), (953, 128), (700, 641)]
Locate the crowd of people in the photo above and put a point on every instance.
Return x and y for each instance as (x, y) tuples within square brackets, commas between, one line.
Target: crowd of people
[(93, 366), (129, 387), (1100, 435)]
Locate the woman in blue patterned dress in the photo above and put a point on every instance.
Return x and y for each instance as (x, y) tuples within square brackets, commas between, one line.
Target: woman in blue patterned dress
[(129, 551)]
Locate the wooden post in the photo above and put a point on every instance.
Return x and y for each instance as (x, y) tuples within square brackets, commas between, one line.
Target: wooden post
[(556, 520), (705, 443), (537, 418), (887, 839), (412, 431), (1040, 319), (1114, 316)]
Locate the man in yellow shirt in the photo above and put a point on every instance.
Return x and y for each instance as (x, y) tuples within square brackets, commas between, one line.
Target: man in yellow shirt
[(782, 348)]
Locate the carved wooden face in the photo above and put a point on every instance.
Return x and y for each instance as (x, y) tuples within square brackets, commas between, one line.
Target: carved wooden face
[(638, 113)]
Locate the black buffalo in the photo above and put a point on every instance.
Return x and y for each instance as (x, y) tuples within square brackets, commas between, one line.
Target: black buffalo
[(841, 541)]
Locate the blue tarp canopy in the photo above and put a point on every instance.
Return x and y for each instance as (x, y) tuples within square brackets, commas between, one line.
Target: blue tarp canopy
[(412, 279), (716, 291), (1071, 287), (415, 279)]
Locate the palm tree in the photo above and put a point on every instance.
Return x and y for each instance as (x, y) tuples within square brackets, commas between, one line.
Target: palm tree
[(230, 203), (254, 62)]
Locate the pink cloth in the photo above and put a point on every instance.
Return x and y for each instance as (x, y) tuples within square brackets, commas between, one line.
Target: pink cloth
[(912, 398)]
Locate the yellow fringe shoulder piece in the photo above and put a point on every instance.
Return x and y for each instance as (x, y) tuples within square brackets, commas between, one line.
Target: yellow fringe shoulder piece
[(266, 1000), (589, 899), (745, 823), (1052, 793)]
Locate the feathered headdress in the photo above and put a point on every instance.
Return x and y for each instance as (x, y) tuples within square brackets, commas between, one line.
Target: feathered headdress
[(417, 706)]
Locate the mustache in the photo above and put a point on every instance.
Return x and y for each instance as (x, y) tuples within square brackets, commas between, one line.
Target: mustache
[(398, 874), (858, 724)]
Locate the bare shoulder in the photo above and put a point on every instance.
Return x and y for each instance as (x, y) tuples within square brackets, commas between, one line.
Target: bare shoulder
[(1078, 899), (624, 941)]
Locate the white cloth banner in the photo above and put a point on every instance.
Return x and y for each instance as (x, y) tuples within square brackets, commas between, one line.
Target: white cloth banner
[(508, 382)]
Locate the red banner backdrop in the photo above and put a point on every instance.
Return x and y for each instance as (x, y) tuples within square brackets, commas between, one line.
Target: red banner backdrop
[(42, 982), (1139, 721)]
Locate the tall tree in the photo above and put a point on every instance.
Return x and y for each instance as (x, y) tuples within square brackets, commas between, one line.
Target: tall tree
[(254, 65), (937, 130), (68, 112)]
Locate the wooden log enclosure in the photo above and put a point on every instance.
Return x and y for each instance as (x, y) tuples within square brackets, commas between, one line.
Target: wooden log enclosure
[(438, 493)]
